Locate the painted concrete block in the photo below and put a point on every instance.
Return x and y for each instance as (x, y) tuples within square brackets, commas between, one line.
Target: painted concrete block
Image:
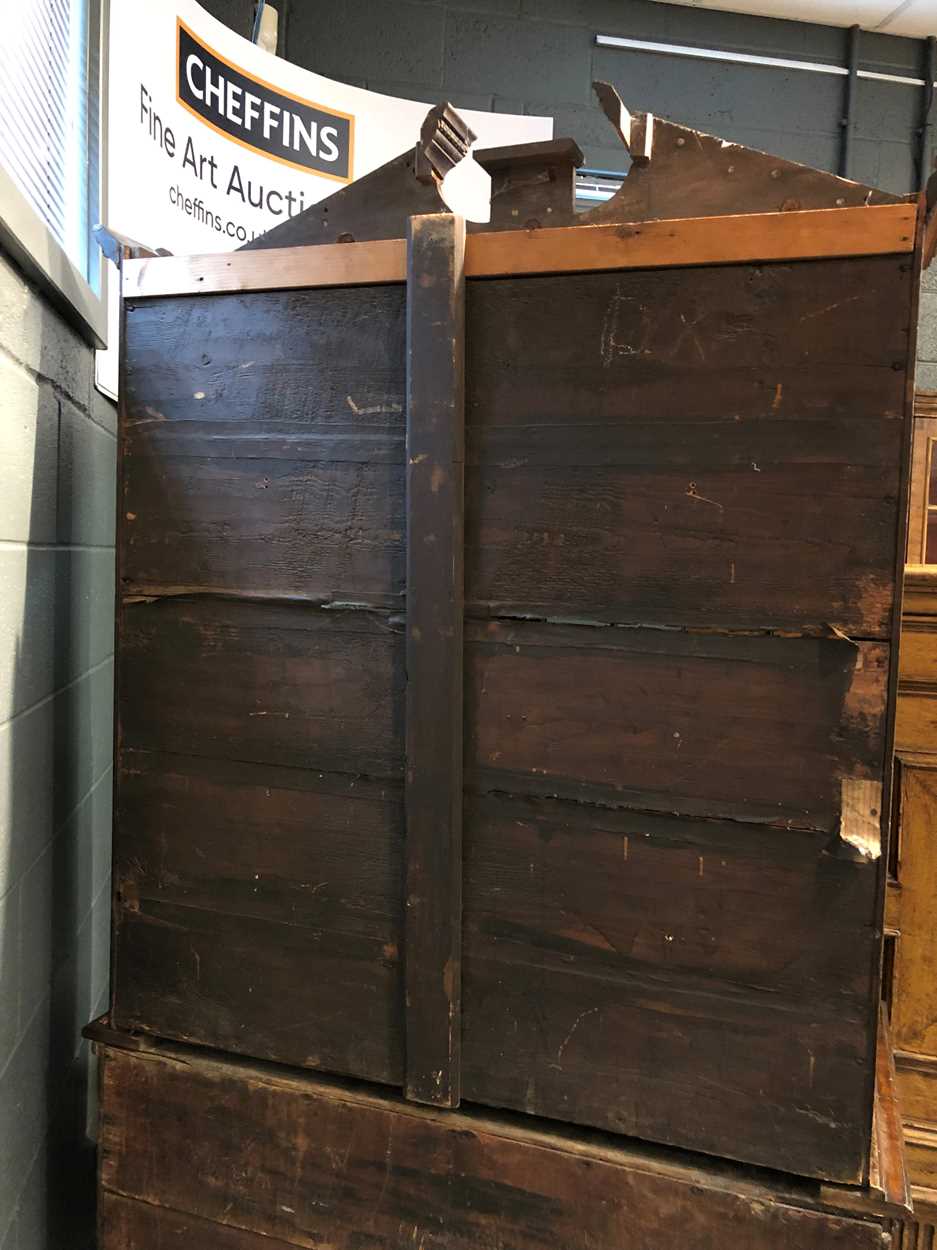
[(23, 1085), (724, 99), (103, 411), (56, 620), (29, 426), (531, 58), (50, 757), (389, 39), (35, 334), (9, 973), (87, 476)]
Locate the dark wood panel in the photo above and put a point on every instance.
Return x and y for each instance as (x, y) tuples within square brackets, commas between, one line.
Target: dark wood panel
[(313, 1165), (126, 1224), (714, 447), (619, 965), (278, 469), (736, 341), (758, 524), (312, 997), (764, 729), (300, 528), (308, 357), (280, 844), (263, 683), (435, 612)]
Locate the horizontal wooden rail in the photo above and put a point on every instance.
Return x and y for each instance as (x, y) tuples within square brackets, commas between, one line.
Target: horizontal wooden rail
[(819, 233), (752, 238), (270, 269)]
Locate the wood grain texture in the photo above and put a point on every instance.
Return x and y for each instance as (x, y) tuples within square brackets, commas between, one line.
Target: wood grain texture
[(916, 720), (914, 1009), (889, 1171), (311, 997), (267, 684), (311, 1165), (322, 850), (913, 1002), (126, 1224), (750, 239), (757, 729), (695, 172), (280, 471), (918, 655), (257, 902), (435, 612), (269, 269), (666, 448), (630, 964), (753, 238), (257, 908), (681, 506)]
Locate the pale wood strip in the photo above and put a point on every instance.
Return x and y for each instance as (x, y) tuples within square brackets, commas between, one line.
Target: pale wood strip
[(871, 231), (752, 238), (272, 269)]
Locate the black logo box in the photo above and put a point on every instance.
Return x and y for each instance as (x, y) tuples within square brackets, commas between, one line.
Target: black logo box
[(259, 116)]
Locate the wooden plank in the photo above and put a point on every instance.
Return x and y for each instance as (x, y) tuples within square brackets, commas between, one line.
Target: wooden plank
[(275, 468), (621, 965), (893, 774), (756, 729), (665, 447), (695, 173), (654, 346), (271, 269), (308, 528), (753, 238), (126, 1224), (916, 720), (310, 1164), (228, 930), (315, 998), (435, 609), (257, 908), (914, 1009), (268, 684), (318, 362), (289, 845), (917, 1085), (889, 1173), (918, 657), (694, 523)]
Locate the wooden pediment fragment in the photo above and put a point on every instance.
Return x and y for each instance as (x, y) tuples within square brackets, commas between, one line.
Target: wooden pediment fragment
[(680, 172)]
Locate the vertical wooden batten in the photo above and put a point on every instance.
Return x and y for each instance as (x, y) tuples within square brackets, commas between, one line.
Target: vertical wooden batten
[(435, 597)]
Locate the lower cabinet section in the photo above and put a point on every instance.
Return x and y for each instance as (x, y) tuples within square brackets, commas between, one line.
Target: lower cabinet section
[(199, 1152)]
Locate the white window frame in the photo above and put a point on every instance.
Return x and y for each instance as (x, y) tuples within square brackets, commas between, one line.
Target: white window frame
[(32, 245)]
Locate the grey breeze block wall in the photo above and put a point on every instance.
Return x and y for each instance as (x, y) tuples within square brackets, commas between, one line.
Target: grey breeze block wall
[(540, 56), (57, 471)]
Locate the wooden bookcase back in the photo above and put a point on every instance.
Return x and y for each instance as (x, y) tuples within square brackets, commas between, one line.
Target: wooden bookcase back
[(505, 666)]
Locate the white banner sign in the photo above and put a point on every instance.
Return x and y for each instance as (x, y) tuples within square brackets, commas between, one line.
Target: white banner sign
[(213, 141)]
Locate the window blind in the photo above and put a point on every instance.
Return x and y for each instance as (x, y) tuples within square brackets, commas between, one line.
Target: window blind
[(48, 98)]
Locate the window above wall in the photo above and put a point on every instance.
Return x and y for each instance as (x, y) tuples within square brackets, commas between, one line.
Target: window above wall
[(50, 144)]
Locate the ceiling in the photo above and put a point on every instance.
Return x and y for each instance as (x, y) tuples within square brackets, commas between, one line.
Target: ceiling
[(917, 18)]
